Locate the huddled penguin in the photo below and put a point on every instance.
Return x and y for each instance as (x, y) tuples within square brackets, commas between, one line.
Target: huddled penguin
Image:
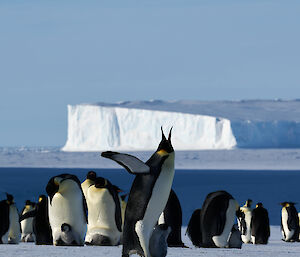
[(158, 245), (148, 195), (67, 210), (172, 217), (90, 180), (244, 221), (104, 214), (194, 229), (4, 220), (14, 230), (217, 218), (260, 225), (27, 224), (289, 222), (41, 225)]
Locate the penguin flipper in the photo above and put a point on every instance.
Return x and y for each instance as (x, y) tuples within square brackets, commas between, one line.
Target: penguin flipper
[(132, 164), (27, 215)]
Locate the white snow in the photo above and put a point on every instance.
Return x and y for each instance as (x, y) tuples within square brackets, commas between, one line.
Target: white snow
[(197, 125), (275, 248)]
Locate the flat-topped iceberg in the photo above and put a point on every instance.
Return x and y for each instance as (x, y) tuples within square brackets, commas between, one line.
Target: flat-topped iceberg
[(95, 128), (196, 125)]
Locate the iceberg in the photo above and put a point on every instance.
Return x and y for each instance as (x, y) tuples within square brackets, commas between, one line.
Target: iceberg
[(97, 128), (197, 125)]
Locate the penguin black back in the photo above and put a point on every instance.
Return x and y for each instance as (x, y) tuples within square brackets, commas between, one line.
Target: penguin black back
[(260, 225), (4, 218), (173, 218), (194, 228)]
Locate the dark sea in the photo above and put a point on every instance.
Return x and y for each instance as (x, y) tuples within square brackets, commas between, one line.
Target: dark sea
[(192, 186)]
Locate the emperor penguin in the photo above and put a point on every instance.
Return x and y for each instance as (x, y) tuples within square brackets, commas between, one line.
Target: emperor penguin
[(41, 225), (244, 221), (4, 220), (158, 245), (27, 224), (193, 230), (217, 218), (104, 214), (289, 222), (260, 225), (90, 180), (67, 210), (14, 230), (148, 195), (172, 217)]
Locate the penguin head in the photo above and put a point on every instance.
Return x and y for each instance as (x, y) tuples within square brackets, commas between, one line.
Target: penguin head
[(248, 203), (259, 205), (9, 199), (61, 183), (101, 182), (287, 204), (91, 175), (165, 146), (29, 204), (42, 198)]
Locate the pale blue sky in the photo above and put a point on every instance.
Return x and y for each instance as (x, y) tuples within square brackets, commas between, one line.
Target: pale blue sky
[(54, 53)]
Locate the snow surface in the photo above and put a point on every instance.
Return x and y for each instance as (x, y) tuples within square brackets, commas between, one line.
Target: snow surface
[(197, 125), (275, 248)]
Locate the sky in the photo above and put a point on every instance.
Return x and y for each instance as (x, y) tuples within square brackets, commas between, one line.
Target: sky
[(55, 53)]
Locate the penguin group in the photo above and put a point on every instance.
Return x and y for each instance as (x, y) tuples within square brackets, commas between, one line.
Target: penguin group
[(145, 221)]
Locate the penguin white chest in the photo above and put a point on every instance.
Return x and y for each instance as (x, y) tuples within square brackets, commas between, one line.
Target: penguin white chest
[(156, 204), (284, 217)]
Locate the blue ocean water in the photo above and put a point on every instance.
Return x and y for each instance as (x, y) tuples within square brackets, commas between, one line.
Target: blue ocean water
[(192, 186)]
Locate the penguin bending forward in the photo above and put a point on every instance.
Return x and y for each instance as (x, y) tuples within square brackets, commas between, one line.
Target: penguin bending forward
[(217, 218), (260, 225), (148, 195), (289, 222), (67, 210), (104, 214), (27, 224)]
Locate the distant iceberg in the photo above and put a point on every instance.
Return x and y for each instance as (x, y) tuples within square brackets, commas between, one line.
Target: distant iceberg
[(196, 125)]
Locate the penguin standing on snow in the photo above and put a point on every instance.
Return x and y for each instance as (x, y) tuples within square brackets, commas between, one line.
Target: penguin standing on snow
[(260, 225), (289, 222), (217, 219), (104, 214), (4, 220), (41, 226), (67, 210), (14, 230), (172, 217), (27, 224), (90, 180), (148, 195), (244, 221)]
